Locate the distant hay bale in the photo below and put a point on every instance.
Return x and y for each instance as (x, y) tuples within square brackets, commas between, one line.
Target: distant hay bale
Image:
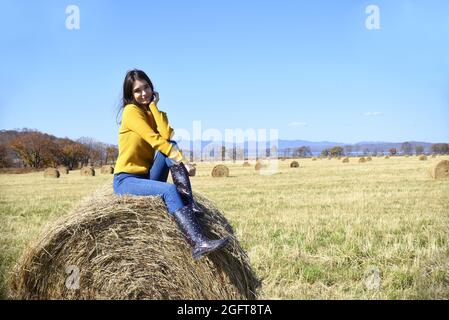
[(422, 157), (246, 164), (369, 159), (63, 170), (128, 247), (440, 170), (88, 171), (314, 159), (107, 169), (294, 164), (434, 155), (345, 160), (51, 173), (362, 160), (260, 165), (339, 158), (387, 157), (220, 170)]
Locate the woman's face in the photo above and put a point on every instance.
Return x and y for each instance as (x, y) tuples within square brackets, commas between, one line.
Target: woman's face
[(142, 92)]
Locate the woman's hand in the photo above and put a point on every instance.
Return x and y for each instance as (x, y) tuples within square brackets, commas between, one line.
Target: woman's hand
[(155, 97)]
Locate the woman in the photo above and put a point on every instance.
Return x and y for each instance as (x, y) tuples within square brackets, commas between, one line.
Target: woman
[(147, 154)]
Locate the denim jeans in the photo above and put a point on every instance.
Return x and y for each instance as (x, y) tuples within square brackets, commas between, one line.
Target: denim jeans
[(152, 184)]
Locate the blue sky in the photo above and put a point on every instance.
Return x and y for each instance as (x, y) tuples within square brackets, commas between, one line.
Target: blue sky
[(310, 69)]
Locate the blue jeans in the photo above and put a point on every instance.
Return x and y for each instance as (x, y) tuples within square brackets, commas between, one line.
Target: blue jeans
[(152, 184)]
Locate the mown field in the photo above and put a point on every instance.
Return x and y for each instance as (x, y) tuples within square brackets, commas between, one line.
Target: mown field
[(326, 230)]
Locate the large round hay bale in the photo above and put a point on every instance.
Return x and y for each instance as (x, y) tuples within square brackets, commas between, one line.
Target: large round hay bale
[(246, 164), (369, 159), (294, 164), (422, 157), (63, 170), (51, 173), (314, 159), (220, 170), (387, 157), (345, 160), (440, 170), (88, 171), (107, 169), (362, 160), (113, 247)]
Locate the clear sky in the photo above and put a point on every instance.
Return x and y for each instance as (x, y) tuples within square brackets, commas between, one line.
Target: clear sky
[(311, 69)]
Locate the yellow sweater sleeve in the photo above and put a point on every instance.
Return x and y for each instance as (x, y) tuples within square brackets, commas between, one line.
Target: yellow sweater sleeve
[(161, 119), (134, 119)]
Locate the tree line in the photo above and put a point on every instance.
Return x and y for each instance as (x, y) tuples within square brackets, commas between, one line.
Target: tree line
[(33, 149)]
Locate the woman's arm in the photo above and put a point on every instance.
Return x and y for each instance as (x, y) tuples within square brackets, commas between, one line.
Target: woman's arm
[(162, 124), (135, 120)]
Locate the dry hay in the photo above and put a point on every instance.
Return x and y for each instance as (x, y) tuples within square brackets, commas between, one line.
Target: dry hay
[(313, 159), (440, 170), (387, 157), (294, 164), (369, 159), (51, 173), (128, 247), (260, 165), (362, 160), (107, 169), (88, 171), (246, 164), (345, 160), (422, 157), (63, 170), (339, 158), (220, 170)]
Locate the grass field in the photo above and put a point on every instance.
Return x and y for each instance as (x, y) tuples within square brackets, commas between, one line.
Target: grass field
[(326, 230)]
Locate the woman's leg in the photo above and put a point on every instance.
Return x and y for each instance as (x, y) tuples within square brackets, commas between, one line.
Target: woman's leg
[(161, 165), (140, 186)]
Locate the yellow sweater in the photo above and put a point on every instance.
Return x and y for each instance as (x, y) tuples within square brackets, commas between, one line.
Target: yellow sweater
[(141, 134)]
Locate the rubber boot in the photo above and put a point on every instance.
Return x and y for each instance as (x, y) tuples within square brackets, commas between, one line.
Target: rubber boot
[(190, 227), (181, 179)]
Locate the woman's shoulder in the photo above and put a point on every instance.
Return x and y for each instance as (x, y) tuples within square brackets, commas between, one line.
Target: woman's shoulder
[(131, 107)]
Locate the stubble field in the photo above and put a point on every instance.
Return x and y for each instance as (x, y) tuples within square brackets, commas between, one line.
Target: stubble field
[(325, 230)]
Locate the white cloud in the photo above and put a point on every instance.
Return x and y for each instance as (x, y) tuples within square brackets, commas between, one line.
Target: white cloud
[(297, 124), (372, 114)]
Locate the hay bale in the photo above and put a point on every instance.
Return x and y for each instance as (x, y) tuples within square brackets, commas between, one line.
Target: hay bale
[(220, 170), (107, 169), (51, 173), (369, 159), (362, 160), (387, 157), (260, 165), (434, 155), (63, 170), (440, 170), (313, 159), (129, 248), (294, 164), (345, 160), (422, 157), (246, 164), (88, 171)]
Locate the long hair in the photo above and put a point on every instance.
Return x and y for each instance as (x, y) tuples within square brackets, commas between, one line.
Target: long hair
[(130, 78)]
